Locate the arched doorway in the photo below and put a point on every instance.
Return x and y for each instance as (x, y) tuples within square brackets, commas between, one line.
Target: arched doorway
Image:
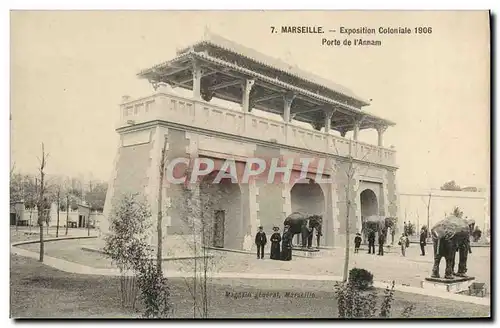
[(307, 196), (222, 224), (369, 203), (369, 206)]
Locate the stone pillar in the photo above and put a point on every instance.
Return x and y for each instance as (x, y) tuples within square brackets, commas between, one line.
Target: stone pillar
[(287, 199), (328, 119), (253, 192), (288, 99), (356, 130), (247, 86), (330, 216), (197, 73), (108, 203), (380, 130)]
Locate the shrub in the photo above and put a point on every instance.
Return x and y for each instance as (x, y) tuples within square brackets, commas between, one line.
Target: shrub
[(353, 303), (155, 293), (360, 278), (127, 246)]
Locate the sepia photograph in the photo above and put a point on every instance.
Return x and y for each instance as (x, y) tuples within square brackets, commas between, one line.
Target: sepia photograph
[(258, 164)]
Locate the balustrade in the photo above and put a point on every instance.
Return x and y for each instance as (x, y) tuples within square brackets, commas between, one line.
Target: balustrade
[(199, 114)]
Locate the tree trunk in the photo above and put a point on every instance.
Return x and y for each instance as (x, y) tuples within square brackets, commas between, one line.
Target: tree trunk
[(58, 209), (41, 202), (159, 226), (428, 216), (88, 224), (195, 262), (67, 213), (346, 261), (350, 175), (41, 243)]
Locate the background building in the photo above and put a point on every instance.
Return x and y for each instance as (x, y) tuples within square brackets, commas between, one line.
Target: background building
[(196, 126)]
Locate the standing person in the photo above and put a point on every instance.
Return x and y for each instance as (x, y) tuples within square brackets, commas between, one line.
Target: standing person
[(275, 244), (405, 228), (402, 242), (247, 241), (381, 240), (371, 242), (423, 240), (286, 245), (260, 241), (357, 242)]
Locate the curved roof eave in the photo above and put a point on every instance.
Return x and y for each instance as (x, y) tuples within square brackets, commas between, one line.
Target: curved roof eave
[(273, 63), (191, 53)]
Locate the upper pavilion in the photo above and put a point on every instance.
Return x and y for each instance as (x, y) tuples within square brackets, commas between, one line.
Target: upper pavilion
[(220, 68)]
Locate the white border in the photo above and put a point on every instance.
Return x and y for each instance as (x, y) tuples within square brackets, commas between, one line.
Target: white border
[(185, 4)]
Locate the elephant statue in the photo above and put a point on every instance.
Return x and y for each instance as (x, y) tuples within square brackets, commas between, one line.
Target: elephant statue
[(305, 224), (449, 236), (380, 224)]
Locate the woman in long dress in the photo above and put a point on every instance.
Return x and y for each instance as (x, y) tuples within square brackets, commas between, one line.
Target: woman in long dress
[(248, 242), (275, 244), (286, 245)]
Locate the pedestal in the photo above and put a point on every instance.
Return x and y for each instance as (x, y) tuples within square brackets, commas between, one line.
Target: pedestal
[(306, 252), (455, 285)]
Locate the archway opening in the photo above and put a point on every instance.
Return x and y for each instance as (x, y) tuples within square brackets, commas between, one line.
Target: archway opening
[(221, 214), (369, 203), (369, 206), (307, 197)]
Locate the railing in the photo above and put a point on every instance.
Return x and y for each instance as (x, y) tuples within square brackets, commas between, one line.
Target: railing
[(200, 114)]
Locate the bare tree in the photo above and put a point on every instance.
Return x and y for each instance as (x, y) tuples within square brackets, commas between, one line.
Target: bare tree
[(41, 199), (351, 171), (67, 212), (58, 198), (427, 203), (194, 207), (159, 226), (89, 203), (350, 175)]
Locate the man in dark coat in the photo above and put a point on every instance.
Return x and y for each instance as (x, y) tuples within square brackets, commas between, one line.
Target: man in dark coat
[(260, 241), (423, 240), (371, 242), (381, 241)]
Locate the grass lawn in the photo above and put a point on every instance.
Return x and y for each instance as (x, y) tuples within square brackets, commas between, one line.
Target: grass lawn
[(44, 292)]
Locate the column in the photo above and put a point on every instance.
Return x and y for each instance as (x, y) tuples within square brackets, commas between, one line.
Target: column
[(247, 86), (381, 129), (356, 130), (288, 99), (197, 80), (328, 119)]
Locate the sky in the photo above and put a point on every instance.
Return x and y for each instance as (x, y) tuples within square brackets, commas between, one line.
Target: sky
[(69, 71)]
